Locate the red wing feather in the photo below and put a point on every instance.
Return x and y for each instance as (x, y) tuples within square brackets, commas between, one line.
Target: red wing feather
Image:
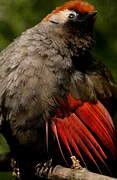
[(95, 123), (87, 137), (87, 128), (54, 129)]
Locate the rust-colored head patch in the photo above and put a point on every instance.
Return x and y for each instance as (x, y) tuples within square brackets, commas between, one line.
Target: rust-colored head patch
[(72, 5)]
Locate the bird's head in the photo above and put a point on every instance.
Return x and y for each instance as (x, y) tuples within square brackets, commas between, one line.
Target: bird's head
[(75, 16)]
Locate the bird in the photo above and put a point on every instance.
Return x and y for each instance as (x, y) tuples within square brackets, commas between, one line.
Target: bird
[(57, 100)]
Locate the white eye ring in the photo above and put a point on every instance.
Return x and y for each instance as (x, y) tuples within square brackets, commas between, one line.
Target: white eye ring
[(72, 15)]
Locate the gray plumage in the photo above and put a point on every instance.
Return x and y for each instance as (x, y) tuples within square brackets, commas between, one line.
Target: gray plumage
[(45, 63)]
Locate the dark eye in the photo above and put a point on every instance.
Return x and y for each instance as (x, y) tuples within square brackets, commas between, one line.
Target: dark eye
[(72, 15)]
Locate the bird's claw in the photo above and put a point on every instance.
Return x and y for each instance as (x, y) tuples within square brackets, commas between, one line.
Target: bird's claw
[(43, 169), (16, 172), (75, 163)]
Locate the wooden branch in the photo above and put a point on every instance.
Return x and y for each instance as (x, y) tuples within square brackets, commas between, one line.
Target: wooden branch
[(62, 173), (58, 172)]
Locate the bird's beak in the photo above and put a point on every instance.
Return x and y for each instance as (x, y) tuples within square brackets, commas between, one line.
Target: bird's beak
[(87, 17), (91, 14)]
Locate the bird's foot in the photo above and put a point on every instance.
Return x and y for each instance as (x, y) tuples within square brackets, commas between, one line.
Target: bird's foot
[(16, 171), (44, 169), (75, 163)]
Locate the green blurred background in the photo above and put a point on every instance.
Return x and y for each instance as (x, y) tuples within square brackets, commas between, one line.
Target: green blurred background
[(18, 15)]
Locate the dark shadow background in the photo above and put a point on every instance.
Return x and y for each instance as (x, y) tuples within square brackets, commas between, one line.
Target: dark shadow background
[(18, 15)]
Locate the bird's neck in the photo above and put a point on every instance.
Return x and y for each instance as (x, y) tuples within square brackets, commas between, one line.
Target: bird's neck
[(79, 44), (74, 43)]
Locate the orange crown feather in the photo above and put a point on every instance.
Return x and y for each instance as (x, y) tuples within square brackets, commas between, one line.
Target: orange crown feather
[(73, 5)]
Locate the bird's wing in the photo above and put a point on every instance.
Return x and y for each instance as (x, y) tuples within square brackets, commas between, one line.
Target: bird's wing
[(105, 88), (83, 124), (85, 128), (93, 81)]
